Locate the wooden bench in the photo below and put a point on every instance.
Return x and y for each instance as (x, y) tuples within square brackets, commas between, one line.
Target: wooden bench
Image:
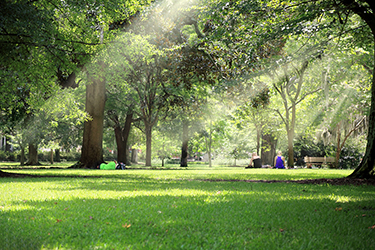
[(318, 160)]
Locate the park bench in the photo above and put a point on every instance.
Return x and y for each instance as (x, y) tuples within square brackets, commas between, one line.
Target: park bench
[(318, 161)]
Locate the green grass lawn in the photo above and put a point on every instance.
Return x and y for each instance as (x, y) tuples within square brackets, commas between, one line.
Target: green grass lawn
[(176, 209)]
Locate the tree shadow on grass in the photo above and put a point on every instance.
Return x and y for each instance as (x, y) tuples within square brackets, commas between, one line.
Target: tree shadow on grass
[(331, 181), (201, 214)]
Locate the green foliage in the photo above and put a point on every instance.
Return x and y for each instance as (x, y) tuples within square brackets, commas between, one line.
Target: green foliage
[(307, 146), (9, 156)]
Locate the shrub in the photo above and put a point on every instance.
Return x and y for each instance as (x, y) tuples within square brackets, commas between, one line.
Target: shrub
[(70, 156), (350, 157)]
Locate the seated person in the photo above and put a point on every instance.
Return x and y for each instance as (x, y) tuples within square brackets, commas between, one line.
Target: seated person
[(255, 161), (280, 161)]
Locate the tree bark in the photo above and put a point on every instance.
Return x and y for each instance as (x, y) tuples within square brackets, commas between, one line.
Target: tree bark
[(366, 168), (51, 156), (33, 155), (338, 150), (148, 131), (134, 157), (122, 135), (268, 150), (22, 160), (92, 146), (185, 140), (57, 154)]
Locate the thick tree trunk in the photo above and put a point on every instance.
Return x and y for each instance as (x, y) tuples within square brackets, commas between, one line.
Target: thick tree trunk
[(185, 140), (268, 151), (92, 146), (33, 155), (366, 168), (122, 135)]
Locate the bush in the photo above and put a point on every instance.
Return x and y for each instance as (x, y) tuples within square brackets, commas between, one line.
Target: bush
[(308, 147), (70, 156), (350, 157), (9, 156)]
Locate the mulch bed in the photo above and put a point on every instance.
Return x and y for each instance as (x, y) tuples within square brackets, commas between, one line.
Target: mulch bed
[(338, 181)]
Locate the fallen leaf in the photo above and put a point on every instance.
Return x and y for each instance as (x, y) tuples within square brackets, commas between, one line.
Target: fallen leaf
[(281, 230), (126, 225), (57, 220)]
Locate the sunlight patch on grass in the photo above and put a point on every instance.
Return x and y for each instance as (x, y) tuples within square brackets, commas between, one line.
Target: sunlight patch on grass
[(174, 209)]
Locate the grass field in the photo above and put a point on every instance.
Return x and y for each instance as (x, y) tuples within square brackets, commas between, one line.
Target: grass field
[(180, 209)]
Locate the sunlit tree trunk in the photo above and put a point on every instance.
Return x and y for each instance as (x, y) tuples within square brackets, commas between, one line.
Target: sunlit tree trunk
[(92, 146)]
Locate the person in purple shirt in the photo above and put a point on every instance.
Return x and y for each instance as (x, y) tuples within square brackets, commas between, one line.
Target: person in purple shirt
[(279, 160)]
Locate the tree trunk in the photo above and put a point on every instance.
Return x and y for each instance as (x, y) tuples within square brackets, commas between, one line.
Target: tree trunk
[(122, 135), (366, 168), (338, 150), (92, 146), (33, 155), (51, 156), (259, 136), (57, 155), (290, 149), (148, 130), (185, 140), (134, 156), (22, 160), (268, 151), (210, 148)]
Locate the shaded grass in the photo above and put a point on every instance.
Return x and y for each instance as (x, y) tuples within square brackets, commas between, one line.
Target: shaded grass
[(172, 209)]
